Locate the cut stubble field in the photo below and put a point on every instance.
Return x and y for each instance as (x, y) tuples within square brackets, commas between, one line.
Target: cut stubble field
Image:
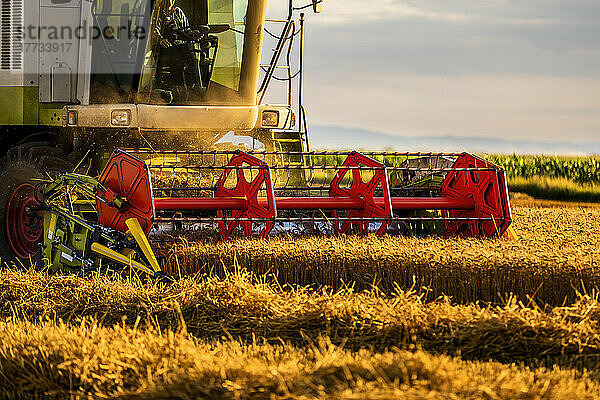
[(54, 361)]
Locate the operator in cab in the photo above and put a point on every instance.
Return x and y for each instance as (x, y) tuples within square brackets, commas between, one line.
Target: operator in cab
[(178, 67)]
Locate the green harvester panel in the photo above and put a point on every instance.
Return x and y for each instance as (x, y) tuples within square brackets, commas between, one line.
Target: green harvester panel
[(21, 106)]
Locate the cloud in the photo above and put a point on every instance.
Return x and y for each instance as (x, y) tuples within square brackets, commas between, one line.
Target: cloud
[(549, 108), (352, 11), (338, 12), (444, 47), (490, 68)]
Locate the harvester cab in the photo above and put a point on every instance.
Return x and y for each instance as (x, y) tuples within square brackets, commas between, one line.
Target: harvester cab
[(160, 74)]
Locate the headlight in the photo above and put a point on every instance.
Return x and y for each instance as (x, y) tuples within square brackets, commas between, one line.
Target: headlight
[(120, 118), (270, 119), (72, 118)]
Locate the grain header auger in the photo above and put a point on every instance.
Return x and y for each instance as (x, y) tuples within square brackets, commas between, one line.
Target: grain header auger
[(112, 220)]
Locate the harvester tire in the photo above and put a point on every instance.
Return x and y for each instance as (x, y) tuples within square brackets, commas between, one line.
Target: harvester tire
[(18, 168)]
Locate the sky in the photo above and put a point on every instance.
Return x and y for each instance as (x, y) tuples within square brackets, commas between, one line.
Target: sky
[(510, 69)]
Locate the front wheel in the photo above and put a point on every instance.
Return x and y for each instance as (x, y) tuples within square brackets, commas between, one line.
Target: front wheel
[(21, 223), (21, 220), (24, 223)]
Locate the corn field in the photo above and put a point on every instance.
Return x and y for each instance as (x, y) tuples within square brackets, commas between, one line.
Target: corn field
[(579, 170)]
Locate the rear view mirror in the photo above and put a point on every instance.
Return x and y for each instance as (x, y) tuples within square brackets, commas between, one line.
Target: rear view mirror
[(317, 5)]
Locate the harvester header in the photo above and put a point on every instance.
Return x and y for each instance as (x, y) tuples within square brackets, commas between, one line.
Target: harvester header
[(153, 196)]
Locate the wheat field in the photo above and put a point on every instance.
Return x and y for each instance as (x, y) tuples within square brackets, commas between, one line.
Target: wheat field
[(556, 256), (311, 318)]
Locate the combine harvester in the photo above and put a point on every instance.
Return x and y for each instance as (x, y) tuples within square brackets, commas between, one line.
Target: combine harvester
[(192, 86)]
